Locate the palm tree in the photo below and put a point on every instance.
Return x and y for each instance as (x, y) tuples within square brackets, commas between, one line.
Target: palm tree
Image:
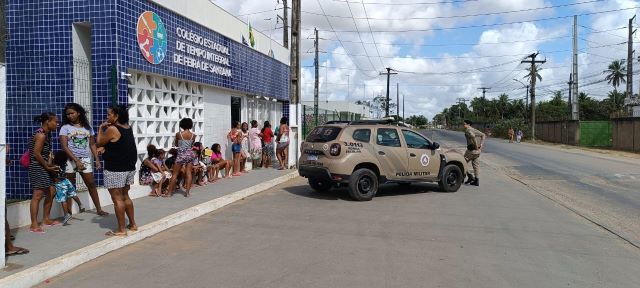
[(533, 70), (533, 75), (502, 103), (616, 74), (479, 106)]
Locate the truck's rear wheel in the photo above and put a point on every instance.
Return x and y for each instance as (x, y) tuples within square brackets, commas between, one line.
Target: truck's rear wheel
[(451, 178), (363, 185)]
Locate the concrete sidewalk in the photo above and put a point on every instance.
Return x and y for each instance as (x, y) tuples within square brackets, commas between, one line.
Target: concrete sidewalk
[(63, 248)]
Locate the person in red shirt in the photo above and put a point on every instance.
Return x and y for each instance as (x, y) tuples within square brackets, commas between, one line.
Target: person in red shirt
[(267, 139)]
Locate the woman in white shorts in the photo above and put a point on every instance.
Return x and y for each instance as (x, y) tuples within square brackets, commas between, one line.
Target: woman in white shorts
[(120, 156), (77, 139)]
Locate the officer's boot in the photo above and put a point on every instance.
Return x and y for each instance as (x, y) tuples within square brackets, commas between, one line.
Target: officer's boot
[(476, 182), (469, 178)]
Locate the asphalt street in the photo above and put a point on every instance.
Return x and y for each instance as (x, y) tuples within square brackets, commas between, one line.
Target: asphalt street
[(605, 189), (502, 234)]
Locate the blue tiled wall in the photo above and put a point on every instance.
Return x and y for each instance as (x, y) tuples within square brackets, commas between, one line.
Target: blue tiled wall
[(40, 64)]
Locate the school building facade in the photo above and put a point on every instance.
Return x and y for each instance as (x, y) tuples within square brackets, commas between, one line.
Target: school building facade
[(166, 59)]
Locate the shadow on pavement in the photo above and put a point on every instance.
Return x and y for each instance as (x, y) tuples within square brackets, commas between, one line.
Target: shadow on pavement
[(341, 193)]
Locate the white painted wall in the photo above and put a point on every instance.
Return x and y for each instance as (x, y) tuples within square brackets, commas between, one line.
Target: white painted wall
[(81, 40), (341, 106), (217, 117), (3, 142), (215, 18)]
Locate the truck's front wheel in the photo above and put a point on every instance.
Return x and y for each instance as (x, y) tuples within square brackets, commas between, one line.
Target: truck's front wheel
[(451, 178)]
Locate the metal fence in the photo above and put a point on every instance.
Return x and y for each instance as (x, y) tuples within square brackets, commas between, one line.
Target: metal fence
[(595, 133), (308, 118), (82, 96)]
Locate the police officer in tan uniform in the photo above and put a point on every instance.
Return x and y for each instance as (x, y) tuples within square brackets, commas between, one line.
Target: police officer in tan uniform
[(473, 151)]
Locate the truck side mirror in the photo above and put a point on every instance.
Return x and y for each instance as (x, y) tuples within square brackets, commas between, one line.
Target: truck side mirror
[(435, 146)]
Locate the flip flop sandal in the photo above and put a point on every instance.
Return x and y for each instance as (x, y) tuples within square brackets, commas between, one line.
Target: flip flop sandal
[(102, 213), (129, 227), (20, 251), (54, 223), (112, 233), (38, 230)]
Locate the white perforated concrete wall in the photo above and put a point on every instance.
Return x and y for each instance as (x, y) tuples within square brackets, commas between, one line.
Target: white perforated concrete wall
[(156, 106)]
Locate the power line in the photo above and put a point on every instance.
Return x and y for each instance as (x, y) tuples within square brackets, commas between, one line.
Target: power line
[(460, 16), (461, 72), (412, 3), (452, 44), (494, 24), (258, 12), (338, 38), (469, 57), (360, 37), (372, 37), (605, 31)]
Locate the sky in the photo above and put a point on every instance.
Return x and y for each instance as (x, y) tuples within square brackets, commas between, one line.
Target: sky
[(444, 50)]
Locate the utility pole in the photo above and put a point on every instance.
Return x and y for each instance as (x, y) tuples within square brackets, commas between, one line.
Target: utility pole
[(316, 86), (533, 72), (285, 27), (573, 102), (570, 99), (295, 119), (294, 91), (460, 101), (484, 91), (398, 99), (388, 73), (403, 108), (630, 59)]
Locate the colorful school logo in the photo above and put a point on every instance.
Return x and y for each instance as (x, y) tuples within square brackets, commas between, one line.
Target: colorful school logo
[(152, 37)]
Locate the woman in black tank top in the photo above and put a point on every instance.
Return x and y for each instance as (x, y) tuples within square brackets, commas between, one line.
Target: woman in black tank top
[(120, 156)]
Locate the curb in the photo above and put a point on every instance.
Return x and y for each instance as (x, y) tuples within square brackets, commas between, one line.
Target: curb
[(41, 272)]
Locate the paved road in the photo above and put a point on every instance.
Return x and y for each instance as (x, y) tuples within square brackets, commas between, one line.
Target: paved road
[(603, 188), (501, 234)]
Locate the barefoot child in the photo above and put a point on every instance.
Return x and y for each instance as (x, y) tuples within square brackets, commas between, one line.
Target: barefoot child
[(218, 163), (151, 173), (199, 168), (64, 189)]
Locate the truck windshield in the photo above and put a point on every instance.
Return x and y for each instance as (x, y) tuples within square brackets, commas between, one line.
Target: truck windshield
[(323, 134)]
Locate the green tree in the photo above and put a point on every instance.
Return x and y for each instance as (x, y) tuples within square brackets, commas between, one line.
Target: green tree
[(479, 106), (616, 74), (553, 110), (615, 101), (533, 76), (502, 104), (591, 109), (380, 102), (417, 120)]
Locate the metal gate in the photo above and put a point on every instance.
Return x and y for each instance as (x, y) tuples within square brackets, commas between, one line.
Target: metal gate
[(595, 133)]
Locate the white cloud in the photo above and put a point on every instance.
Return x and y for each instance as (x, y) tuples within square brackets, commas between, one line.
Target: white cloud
[(426, 93)]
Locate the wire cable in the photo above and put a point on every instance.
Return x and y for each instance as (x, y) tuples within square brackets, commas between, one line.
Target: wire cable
[(495, 24)]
